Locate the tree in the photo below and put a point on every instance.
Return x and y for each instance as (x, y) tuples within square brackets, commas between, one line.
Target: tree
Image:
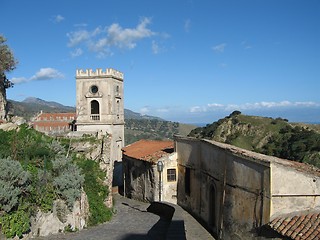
[(7, 64)]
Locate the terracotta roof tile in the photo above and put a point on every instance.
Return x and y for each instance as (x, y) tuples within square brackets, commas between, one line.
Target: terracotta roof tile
[(298, 225), (54, 115), (148, 150)]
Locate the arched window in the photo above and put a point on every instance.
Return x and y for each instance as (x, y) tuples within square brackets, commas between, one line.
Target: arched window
[(95, 112)]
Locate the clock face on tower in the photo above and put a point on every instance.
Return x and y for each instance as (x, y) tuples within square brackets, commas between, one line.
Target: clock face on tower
[(94, 89)]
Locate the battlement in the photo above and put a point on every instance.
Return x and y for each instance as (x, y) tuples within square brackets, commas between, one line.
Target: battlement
[(99, 73)]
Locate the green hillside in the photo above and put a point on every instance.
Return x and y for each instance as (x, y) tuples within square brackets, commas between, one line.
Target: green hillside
[(275, 137), (155, 129)]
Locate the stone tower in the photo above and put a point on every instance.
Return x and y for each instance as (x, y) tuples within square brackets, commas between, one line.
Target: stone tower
[(100, 107)]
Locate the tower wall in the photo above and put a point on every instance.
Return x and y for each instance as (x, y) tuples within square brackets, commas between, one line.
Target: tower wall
[(99, 105)]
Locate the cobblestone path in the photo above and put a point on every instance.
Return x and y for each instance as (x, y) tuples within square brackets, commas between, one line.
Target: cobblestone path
[(132, 221)]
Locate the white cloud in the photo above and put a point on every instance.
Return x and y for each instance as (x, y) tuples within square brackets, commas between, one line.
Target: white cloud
[(214, 106), (163, 110), (127, 38), (80, 25), (144, 110), (252, 106), (58, 18), (77, 37), (46, 74), (42, 74), (19, 80), (196, 109), (155, 47), (77, 52), (219, 48), (102, 40)]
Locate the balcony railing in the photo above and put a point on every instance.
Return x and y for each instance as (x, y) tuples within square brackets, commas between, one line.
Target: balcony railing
[(95, 117)]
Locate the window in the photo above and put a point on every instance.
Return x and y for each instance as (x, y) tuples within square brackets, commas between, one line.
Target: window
[(171, 175), (95, 112), (187, 181), (94, 89), (94, 107)]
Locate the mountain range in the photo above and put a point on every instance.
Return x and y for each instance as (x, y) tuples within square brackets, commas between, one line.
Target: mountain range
[(32, 106)]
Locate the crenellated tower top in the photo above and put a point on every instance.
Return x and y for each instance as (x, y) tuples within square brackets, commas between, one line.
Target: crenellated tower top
[(99, 73)]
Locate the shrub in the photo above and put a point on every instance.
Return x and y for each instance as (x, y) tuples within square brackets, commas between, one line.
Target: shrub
[(16, 223), (13, 180), (68, 179), (96, 191)]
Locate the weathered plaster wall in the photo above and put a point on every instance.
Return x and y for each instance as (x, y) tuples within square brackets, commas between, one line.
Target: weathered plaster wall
[(142, 179), (169, 188), (292, 188), (234, 191), (139, 179), (227, 191)]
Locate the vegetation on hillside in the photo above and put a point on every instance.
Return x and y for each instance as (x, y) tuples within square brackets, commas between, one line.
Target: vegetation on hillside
[(275, 137), (34, 172), (153, 129)]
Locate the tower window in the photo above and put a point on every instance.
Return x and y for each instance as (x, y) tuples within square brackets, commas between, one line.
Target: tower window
[(94, 89), (95, 112)]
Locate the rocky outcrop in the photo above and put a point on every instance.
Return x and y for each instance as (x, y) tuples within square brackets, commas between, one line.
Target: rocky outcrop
[(61, 218)]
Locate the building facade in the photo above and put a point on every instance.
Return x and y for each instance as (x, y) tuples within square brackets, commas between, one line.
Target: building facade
[(99, 105), (236, 193), (142, 179), (54, 123)]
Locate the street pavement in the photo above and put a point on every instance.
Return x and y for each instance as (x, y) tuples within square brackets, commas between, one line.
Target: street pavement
[(134, 220)]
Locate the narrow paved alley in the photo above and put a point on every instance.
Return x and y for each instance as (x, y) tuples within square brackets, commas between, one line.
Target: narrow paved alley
[(133, 221)]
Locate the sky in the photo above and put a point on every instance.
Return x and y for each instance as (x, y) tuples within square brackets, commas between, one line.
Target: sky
[(183, 60)]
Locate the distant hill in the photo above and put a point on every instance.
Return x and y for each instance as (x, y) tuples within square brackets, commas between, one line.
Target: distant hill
[(31, 106), (128, 114), (137, 126), (275, 137)]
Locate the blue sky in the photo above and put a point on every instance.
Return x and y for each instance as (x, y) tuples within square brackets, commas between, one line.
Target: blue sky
[(183, 60)]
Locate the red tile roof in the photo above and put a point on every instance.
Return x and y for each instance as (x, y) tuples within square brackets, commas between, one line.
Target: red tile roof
[(148, 150), (50, 124), (56, 116), (299, 226)]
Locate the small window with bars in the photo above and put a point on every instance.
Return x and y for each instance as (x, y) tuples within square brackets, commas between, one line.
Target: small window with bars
[(171, 175)]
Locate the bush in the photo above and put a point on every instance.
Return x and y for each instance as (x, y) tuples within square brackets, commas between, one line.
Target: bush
[(13, 180), (15, 224), (68, 179), (96, 192)]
